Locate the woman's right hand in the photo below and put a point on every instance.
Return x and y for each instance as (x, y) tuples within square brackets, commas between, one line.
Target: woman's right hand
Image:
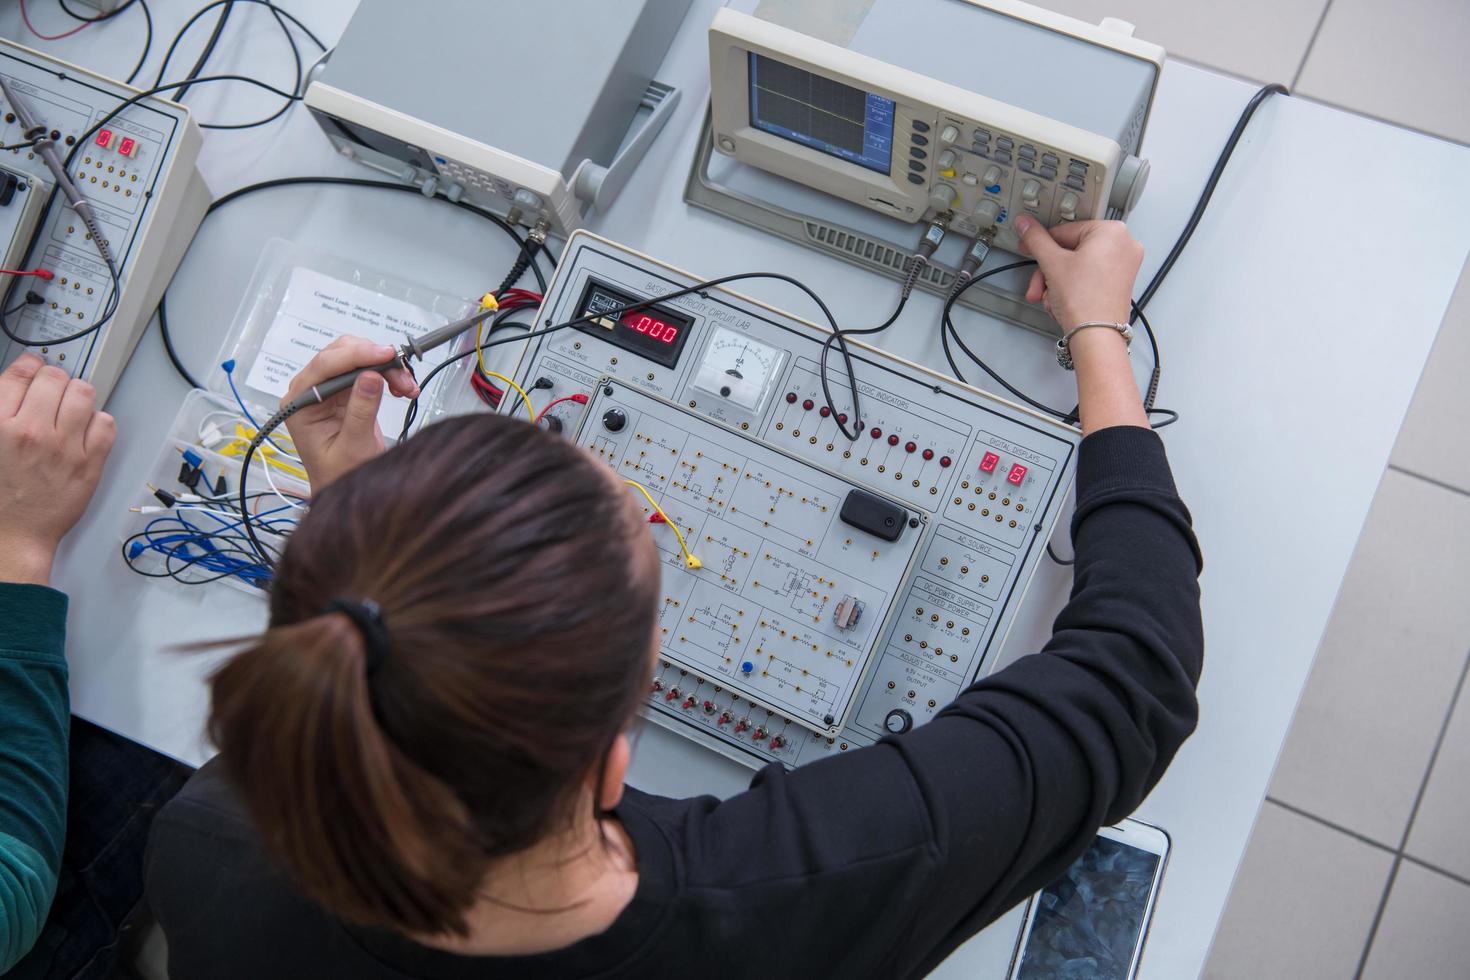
[(1085, 273), (342, 432), (1085, 269)]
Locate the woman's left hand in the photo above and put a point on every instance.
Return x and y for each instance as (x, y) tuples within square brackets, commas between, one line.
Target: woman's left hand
[(342, 432)]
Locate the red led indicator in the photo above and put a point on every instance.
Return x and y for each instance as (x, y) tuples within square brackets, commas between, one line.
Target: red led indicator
[(876, 432), (893, 440), (928, 454), (824, 411), (944, 461), (791, 398), (104, 138), (128, 146), (987, 464), (1017, 475), (808, 404), (909, 447)]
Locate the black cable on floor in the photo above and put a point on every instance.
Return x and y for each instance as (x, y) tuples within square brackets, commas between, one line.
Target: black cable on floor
[(168, 346), (204, 55), (147, 41), (99, 18), (1262, 94)]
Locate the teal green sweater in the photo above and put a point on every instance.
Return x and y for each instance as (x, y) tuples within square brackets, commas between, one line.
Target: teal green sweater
[(34, 717)]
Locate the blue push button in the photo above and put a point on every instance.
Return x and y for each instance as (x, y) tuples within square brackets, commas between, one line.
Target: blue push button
[(747, 667)]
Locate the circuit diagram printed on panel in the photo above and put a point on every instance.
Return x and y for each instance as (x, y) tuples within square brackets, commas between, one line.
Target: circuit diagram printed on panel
[(790, 596)]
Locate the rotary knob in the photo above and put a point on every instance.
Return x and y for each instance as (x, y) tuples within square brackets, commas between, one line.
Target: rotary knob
[(614, 419), (949, 134), (1031, 193), (942, 196), (992, 177), (946, 162), (898, 721), (1067, 206)]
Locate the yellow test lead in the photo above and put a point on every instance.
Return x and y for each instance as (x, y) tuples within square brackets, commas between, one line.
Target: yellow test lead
[(690, 562), (489, 302)]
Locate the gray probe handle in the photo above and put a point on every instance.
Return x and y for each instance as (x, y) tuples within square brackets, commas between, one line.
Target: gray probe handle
[(416, 347), (47, 148)]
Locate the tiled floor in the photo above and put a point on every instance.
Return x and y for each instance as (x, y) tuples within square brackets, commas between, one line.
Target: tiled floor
[(1359, 866)]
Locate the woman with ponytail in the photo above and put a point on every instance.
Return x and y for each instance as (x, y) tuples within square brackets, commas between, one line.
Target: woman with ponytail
[(421, 760)]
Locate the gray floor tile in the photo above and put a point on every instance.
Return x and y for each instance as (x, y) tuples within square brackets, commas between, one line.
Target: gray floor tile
[(1424, 932), (1302, 904), (1381, 687), (1404, 62), (1432, 441), (1224, 35), (1439, 835)]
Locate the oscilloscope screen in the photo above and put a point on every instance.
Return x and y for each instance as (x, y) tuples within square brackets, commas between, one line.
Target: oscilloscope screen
[(826, 115)]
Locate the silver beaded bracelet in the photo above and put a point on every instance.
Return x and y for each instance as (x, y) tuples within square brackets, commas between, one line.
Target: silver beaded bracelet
[(1064, 350)]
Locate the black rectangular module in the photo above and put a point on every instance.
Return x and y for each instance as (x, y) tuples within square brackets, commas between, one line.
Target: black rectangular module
[(873, 514), (656, 332)]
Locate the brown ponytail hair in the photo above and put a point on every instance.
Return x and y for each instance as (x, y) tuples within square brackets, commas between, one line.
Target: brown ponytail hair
[(518, 617)]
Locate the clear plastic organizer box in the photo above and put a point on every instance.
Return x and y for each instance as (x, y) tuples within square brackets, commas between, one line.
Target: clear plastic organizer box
[(298, 300)]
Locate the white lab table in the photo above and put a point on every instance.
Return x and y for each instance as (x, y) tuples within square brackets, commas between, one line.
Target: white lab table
[(1294, 330)]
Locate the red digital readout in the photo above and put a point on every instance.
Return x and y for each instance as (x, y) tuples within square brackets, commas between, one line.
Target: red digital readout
[(1017, 475), (128, 146), (104, 138), (655, 328), (987, 464)]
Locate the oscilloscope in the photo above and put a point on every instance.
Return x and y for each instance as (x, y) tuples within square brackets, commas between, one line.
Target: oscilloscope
[(980, 124)]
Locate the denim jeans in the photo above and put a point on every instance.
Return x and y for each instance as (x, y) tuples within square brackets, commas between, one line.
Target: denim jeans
[(116, 788)]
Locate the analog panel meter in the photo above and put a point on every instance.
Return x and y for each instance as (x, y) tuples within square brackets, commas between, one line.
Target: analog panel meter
[(739, 369)]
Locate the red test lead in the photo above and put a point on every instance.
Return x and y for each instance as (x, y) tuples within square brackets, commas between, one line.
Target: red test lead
[(46, 274)]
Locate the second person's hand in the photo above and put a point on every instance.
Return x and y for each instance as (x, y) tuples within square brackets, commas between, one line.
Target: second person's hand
[(342, 432), (53, 442)]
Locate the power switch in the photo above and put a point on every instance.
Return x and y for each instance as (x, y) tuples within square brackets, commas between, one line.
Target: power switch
[(871, 513)]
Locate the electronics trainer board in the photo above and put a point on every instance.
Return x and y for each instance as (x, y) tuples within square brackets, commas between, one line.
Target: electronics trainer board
[(800, 614), (138, 173)]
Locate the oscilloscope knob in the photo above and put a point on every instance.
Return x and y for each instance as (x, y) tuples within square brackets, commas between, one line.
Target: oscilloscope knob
[(941, 197), (614, 419), (898, 721)]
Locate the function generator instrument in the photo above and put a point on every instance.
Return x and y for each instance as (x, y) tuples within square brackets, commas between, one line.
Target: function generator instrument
[(972, 130), (845, 589), (503, 120), (137, 173)]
